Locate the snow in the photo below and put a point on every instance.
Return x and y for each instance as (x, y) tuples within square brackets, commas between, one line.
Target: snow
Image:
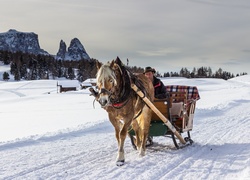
[(50, 135), (69, 83)]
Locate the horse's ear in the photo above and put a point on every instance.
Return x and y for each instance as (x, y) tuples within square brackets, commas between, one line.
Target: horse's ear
[(98, 64), (112, 63), (118, 61)]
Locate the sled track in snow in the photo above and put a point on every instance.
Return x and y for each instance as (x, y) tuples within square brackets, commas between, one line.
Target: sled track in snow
[(14, 92)]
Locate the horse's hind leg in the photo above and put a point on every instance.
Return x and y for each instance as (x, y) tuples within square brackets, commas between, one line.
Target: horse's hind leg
[(144, 124), (136, 128)]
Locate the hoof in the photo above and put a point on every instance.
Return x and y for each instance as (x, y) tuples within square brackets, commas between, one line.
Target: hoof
[(120, 162), (149, 141), (142, 152)]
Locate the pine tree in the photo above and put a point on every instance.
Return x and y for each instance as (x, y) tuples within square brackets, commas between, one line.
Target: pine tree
[(71, 74), (23, 71), (6, 76)]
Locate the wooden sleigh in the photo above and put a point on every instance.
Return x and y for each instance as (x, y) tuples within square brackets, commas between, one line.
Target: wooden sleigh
[(178, 109)]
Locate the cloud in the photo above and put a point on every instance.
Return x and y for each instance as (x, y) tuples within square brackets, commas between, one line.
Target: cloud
[(225, 3), (246, 50), (159, 52), (167, 35)]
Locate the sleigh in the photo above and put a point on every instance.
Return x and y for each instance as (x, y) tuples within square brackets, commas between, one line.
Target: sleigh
[(178, 108)]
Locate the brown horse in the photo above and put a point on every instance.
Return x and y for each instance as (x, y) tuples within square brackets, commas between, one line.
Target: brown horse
[(124, 106)]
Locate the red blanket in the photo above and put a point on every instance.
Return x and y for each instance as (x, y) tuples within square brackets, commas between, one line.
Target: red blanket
[(193, 93)]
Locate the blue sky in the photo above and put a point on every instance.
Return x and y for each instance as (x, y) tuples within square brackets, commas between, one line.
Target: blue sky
[(165, 34)]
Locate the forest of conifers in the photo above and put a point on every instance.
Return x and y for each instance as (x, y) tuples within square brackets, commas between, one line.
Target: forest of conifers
[(34, 67)]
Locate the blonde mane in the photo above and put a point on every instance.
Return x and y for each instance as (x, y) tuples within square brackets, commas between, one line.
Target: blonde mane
[(105, 73)]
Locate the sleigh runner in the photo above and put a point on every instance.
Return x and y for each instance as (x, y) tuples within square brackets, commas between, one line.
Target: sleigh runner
[(178, 108)]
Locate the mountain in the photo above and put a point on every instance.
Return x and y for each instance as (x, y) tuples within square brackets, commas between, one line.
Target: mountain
[(75, 51), (62, 51), (26, 42)]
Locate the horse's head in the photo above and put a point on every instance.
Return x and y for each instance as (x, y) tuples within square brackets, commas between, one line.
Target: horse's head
[(106, 81)]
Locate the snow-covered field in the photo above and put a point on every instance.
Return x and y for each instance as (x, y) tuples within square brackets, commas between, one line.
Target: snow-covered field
[(50, 135)]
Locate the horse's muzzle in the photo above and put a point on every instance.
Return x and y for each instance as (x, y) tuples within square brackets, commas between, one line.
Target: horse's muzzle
[(103, 100), (104, 97)]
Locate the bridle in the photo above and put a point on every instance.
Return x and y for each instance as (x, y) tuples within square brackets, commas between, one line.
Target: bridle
[(117, 101), (127, 77)]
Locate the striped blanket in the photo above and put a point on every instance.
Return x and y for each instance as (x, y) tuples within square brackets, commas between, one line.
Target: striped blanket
[(192, 91)]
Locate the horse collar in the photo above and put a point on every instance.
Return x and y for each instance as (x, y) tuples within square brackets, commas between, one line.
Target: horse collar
[(119, 105), (125, 86)]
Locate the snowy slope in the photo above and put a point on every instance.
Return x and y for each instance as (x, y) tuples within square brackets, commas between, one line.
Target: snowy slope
[(47, 135)]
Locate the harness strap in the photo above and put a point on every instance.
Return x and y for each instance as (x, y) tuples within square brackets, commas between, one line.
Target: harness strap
[(138, 114)]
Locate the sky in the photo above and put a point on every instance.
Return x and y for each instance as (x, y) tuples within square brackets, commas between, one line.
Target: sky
[(164, 34), (50, 135)]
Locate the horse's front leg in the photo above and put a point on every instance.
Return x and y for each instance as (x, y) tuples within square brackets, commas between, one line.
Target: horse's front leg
[(118, 126), (123, 133), (120, 156)]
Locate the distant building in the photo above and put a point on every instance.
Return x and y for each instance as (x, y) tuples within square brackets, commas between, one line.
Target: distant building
[(88, 83), (67, 85)]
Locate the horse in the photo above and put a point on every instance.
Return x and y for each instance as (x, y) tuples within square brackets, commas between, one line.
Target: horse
[(124, 107)]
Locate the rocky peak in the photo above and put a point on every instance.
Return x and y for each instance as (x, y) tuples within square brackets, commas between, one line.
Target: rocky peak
[(62, 50), (76, 51), (14, 41)]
